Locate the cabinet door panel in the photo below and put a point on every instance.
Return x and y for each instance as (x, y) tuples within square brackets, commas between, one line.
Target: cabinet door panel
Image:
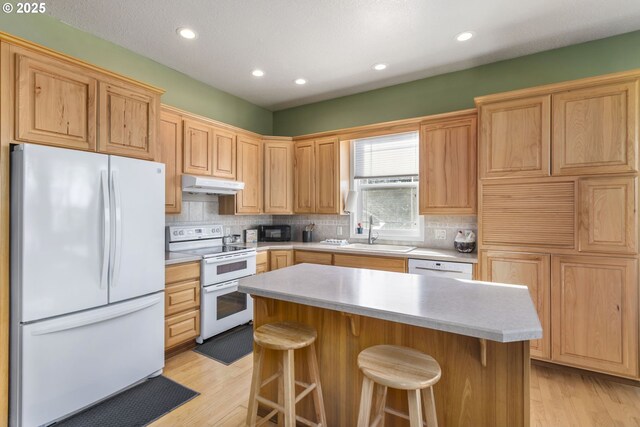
[(56, 104), (278, 177), (304, 195), (595, 313), (250, 165), (515, 138), (533, 271), (198, 148), (371, 262), (224, 154), (181, 328), (280, 259), (448, 167), (608, 220), (128, 121), (327, 179), (528, 214), (170, 153), (324, 258), (595, 130)]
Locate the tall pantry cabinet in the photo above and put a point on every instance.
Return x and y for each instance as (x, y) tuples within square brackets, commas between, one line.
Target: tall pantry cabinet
[(558, 212)]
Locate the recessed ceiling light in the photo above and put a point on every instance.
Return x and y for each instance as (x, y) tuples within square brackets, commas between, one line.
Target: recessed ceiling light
[(463, 37), (258, 73), (379, 67), (300, 81), (187, 33)]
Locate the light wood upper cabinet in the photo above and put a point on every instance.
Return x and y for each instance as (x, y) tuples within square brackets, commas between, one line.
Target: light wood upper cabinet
[(250, 164), (608, 215), (448, 167), (515, 137), (533, 271), (304, 194), (128, 120), (327, 176), (170, 153), (595, 129), (224, 154), (595, 313), (198, 148), (280, 259), (540, 213), (56, 103), (278, 177)]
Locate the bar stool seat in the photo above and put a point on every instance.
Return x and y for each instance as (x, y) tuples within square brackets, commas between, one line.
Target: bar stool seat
[(286, 337), (400, 368)]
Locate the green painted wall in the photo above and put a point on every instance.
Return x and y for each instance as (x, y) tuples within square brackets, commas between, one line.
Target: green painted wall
[(455, 91), (181, 91)]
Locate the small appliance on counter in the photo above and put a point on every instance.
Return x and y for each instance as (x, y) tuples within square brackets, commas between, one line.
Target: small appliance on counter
[(274, 233), (251, 236), (465, 241)]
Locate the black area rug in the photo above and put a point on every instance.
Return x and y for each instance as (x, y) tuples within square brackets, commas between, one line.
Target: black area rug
[(229, 346), (137, 406)]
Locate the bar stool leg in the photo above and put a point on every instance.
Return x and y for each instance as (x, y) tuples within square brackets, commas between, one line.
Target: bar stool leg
[(429, 403), (252, 409), (280, 394), (415, 408), (314, 373), (381, 403), (288, 368), (365, 402)]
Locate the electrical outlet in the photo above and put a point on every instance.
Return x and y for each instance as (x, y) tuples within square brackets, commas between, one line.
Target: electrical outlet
[(441, 234), (339, 230)]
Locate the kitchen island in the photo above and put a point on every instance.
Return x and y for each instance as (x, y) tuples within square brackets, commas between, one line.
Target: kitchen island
[(478, 332)]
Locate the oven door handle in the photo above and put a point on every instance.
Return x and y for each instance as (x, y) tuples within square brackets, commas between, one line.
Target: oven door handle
[(231, 258), (220, 287)]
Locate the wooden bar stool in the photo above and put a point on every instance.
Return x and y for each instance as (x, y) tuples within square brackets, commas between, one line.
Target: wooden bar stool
[(285, 337), (400, 368)]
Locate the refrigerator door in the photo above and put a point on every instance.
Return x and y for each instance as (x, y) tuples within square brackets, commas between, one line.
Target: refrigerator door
[(137, 212), (72, 361), (59, 231)]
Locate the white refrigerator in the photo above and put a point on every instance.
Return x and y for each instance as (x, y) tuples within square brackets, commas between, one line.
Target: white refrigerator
[(87, 279)]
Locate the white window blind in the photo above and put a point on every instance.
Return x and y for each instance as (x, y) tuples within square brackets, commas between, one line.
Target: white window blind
[(386, 156)]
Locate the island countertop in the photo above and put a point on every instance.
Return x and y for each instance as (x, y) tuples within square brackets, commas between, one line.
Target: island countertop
[(497, 312)]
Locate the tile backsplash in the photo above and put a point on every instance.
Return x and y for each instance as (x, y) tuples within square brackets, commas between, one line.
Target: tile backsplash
[(200, 209)]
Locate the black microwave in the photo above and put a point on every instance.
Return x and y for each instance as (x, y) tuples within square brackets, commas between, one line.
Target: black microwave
[(274, 233)]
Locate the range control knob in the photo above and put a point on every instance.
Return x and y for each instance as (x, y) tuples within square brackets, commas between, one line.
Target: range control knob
[(181, 232)]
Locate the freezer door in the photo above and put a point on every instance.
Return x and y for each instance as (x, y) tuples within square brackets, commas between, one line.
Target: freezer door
[(59, 231), (137, 212), (70, 362)]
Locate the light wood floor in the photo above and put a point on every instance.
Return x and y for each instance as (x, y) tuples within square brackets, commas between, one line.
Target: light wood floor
[(558, 397)]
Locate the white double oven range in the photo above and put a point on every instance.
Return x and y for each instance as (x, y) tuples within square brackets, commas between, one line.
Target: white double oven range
[(222, 307)]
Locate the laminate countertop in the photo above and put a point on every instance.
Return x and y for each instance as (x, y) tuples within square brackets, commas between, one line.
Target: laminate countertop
[(497, 312), (419, 253), (171, 258)]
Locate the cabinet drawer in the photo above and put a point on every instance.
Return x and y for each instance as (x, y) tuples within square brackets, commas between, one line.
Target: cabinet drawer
[(262, 268), (181, 328), (181, 297), (182, 272), (313, 257), (262, 257), (370, 262)]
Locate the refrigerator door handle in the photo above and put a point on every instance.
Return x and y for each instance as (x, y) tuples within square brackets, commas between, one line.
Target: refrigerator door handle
[(106, 231), (65, 324), (117, 241)]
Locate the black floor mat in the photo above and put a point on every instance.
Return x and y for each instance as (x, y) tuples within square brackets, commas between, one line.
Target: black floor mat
[(228, 346), (137, 406)]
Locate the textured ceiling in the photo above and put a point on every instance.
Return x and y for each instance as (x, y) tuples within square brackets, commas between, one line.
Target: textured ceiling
[(334, 43)]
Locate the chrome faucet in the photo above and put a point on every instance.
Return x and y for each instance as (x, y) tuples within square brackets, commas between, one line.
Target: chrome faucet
[(371, 238)]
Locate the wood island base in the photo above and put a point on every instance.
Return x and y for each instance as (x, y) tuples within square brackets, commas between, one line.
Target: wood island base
[(468, 394)]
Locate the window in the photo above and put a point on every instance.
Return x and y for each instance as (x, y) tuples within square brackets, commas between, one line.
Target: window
[(385, 176)]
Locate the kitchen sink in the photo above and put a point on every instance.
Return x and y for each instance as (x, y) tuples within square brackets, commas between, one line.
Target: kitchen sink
[(377, 248)]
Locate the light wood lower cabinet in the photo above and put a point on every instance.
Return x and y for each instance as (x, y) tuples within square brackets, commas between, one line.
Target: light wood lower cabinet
[(309, 257), (262, 262), (398, 265), (280, 259), (533, 271), (182, 304), (594, 318)]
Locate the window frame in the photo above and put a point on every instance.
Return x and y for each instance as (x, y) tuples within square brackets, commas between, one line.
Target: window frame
[(415, 235)]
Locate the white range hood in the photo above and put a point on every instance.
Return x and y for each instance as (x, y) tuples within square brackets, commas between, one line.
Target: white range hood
[(202, 184)]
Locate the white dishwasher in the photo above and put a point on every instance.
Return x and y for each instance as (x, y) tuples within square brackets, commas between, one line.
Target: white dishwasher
[(429, 268)]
